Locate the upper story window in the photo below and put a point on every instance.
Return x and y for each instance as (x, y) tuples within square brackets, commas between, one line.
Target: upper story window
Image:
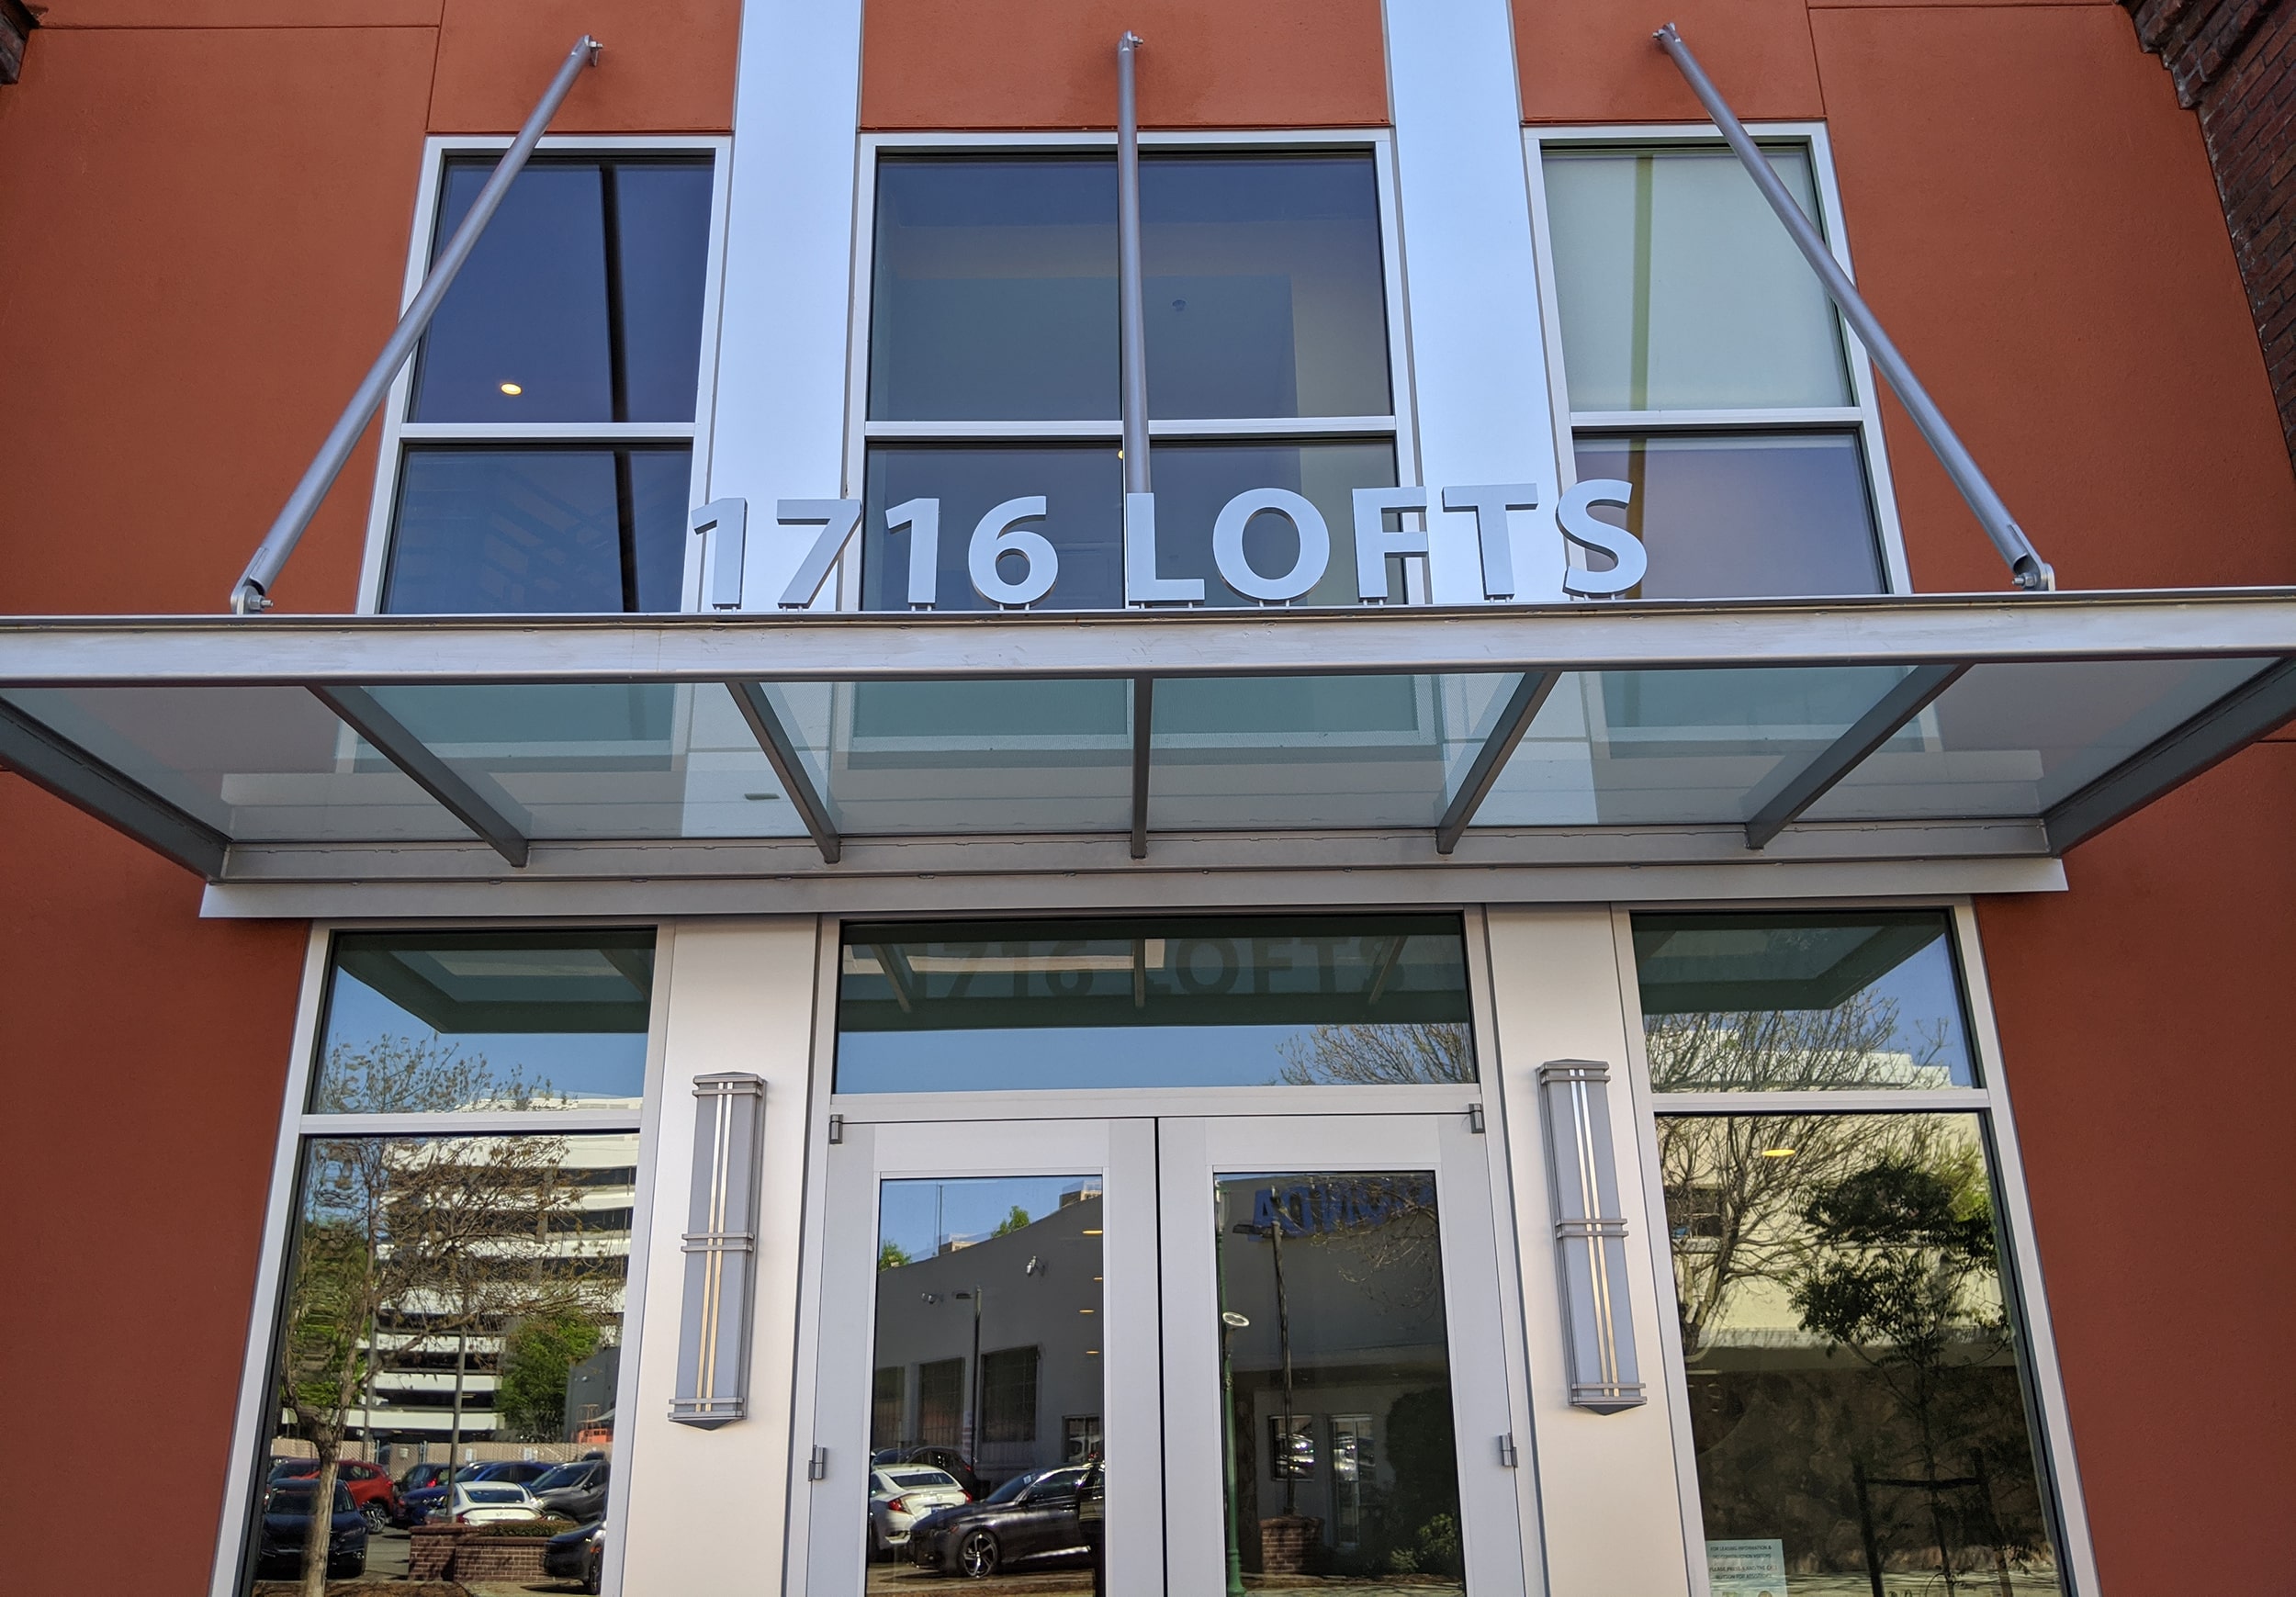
[(546, 457), (992, 367), (1702, 362)]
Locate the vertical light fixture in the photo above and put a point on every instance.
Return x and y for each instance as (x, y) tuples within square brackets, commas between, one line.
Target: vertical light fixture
[(1589, 1235), (720, 1247)]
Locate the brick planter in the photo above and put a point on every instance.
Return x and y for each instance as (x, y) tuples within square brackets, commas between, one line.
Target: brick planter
[(1288, 1542), (469, 1553)]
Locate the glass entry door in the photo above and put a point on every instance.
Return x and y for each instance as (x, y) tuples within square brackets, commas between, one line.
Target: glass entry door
[(1204, 1353)]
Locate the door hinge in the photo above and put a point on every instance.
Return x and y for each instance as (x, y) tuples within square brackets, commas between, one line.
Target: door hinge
[(817, 1467), (837, 1129), (1507, 1459), (1475, 1118)]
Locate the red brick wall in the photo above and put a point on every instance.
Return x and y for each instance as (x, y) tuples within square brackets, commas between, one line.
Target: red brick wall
[(2235, 62)]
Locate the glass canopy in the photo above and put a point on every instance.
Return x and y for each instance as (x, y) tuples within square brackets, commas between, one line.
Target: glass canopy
[(198, 735)]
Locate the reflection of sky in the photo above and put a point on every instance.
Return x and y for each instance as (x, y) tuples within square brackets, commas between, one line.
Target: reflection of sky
[(1928, 1007), (915, 1214), (1051, 1057), (597, 1065)]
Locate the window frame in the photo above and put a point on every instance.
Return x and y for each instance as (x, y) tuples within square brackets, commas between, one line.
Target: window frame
[(1396, 428), (398, 430), (1862, 418), (253, 1417), (2021, 1283)]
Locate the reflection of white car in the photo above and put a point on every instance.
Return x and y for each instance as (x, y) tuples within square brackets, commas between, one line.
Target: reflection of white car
[(481, 1502), (900, 1494)]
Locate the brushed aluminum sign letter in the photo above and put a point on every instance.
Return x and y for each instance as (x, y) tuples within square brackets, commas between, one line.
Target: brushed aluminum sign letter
[(720, 1247), (1235, 569)]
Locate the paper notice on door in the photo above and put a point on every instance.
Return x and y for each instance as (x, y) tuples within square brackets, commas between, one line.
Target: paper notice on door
[(1748, 1568)]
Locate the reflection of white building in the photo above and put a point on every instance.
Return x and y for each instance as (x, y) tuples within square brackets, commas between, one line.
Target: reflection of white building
[(412, 1396), (1034, 1398)]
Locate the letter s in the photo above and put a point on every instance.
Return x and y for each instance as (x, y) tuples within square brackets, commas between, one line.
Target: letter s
[(1580, 526)]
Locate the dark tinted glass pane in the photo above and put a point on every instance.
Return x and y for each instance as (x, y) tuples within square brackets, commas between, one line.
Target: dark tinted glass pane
[(1800, 1002), (662, 215), (994, 290), (1264, 289), (1083, 486), (582, 302), (1339, 1407), (1297, 1001), (1857, 1395), (995, 293), (538, 531), (445, 1297), (1743, 515), (430, 1022)]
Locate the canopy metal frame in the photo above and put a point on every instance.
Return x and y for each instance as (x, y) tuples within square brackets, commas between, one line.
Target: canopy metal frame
[(344, 661)]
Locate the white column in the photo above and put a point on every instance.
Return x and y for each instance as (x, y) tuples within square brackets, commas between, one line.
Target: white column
[(779, 427), (1479, 360)]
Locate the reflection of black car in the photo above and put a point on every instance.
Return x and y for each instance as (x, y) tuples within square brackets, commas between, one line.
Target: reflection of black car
[(577, 1556), (1031, 1516), (945, 1459), (574, 1492), (287, 1521)]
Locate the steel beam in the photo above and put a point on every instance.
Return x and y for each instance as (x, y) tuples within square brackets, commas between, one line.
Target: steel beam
[(2264, 702), (78, 778), (250, 595), (1132, 313), (360, 711), (782, 754), (1144, 722), (1914, 693), (1522, 708)]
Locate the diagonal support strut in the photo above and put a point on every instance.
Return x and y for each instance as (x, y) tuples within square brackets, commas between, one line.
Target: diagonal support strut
[(1143, 718), (1522, 709), (781, 753), (359, 709), (1914, 693), (80, 780)]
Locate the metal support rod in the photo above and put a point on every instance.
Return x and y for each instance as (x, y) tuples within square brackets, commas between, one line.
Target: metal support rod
[(364, 714), (1143, 718), (252, 594), (1130, 301), (2031, 570), (1914, 693), (1522, 709), (782, 755)]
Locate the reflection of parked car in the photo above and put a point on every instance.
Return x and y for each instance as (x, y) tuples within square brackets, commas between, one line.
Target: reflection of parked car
[(424, 1501), (287, 1523), (904, 1494), (420, 1476), (574, 1492), (1031, 1516), (372, 1490), (935, 1457), (578, 1555), (490, 1502)]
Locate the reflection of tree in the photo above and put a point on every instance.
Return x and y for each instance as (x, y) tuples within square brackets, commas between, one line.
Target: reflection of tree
[(891, 1255), (1378, 1055), (1902, 1269), (1735, 1185), (538, 1357), (408, 1242), (399, 1075), (1012, 1222)]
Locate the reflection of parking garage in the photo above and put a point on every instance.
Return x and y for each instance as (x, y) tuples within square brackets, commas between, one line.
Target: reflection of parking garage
[(1028, 1302)]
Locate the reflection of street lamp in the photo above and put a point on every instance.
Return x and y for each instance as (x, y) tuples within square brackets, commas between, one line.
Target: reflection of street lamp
[(1230, 1322), (1288, 1465), (977, 1428)]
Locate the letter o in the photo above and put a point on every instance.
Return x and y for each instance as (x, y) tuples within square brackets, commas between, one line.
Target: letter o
[(1227, 545), (1000, 534)]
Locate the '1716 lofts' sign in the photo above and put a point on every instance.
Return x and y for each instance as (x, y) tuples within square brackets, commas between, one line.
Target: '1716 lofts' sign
[(1013, 565)]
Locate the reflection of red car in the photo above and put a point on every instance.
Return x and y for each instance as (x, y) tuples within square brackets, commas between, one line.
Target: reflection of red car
[(372, 1490)]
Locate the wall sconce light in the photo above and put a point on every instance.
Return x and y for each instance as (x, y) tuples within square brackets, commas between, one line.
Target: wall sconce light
[(720, 1247), (1589, 1235)]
